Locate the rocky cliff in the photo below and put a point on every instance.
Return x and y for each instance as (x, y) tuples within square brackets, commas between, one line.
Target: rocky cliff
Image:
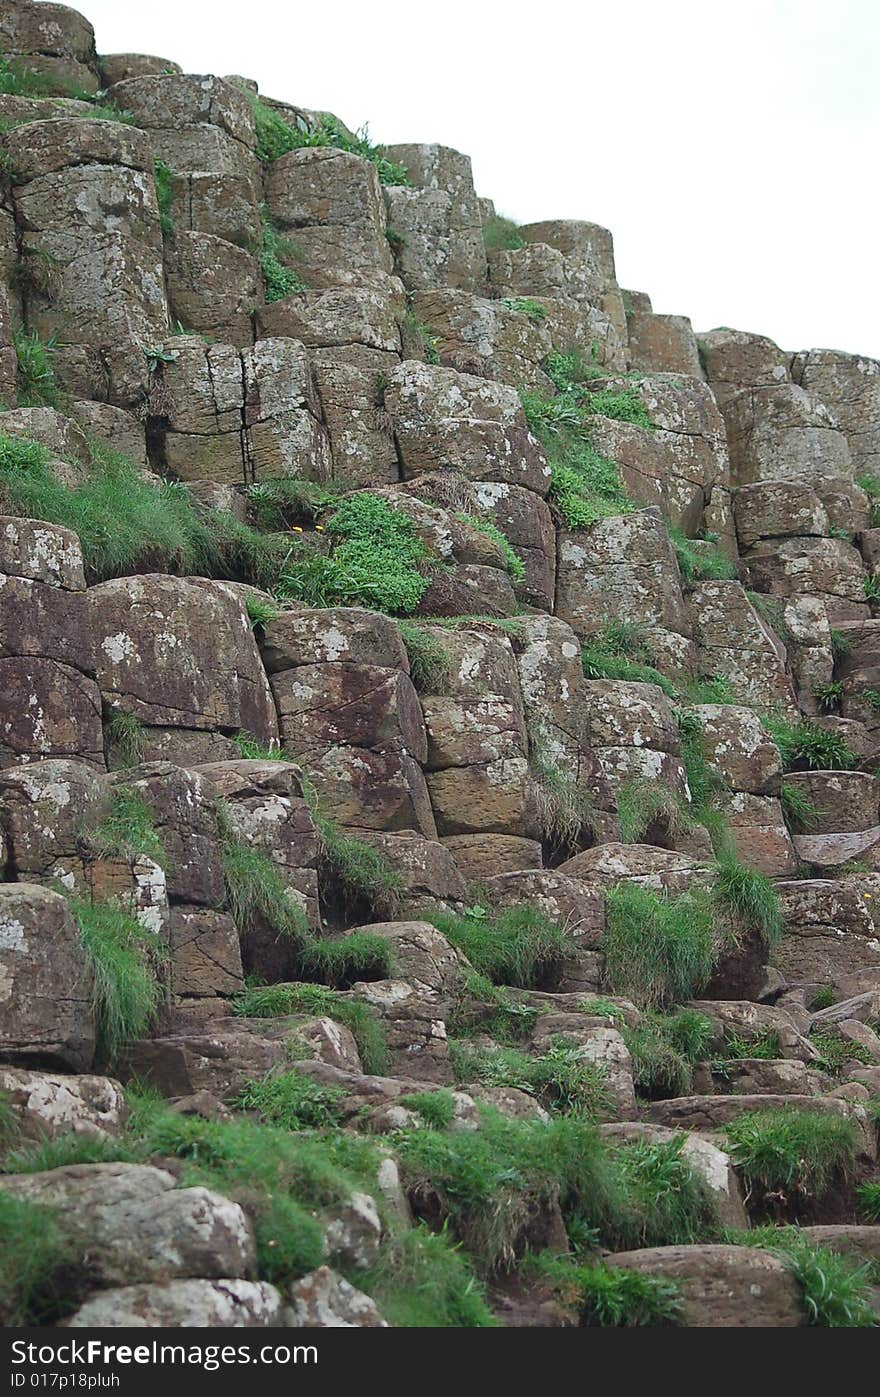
[(439, 722)]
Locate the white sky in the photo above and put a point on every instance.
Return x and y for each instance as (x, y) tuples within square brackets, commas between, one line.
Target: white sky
[(732, 148)]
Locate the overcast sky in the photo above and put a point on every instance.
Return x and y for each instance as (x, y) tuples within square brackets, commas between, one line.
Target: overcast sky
[(732, 148)]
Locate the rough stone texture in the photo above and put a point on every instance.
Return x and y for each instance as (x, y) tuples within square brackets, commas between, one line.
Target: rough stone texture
[(324, 1300), (140, 1227), (488, 338), (438, 218), (415, 1028), (844, 800), (212, 286), (222, 1304), (447, 420), (176, 652), (831, 932), (40, 952), (723, 1287), (710, 1162), (330, 203), (734, 642), (194, 122), (48, 1104), (662, 344), (612, 863), (784, 433), (850, 385)]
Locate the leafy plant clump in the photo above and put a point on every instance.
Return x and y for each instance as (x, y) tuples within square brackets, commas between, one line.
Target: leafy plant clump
[(790, 1156), (125, 962), (501, 234), (292, 1101), (375, 562), (163, 176), (659, 950), (123, 740), (835, 1288), (276, 137), (513, 561), (806, 746), (429, 662), (619, 651), (279, 280), (516, 946), (525, 305), (584, 485), (41, 1257), (700, 560), (610, 1298), (36, 376), (561, 1078), (276, 1001), (125, 830), (665, 1048)]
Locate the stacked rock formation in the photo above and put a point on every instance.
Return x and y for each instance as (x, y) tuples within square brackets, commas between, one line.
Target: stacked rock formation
[(360, 800)]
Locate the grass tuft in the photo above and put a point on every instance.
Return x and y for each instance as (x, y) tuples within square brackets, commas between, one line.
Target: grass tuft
[(124, 961), (517, 946), (789, 1156)]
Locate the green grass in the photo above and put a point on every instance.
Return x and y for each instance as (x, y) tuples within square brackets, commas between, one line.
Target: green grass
[(665, 1048), (524, 305), (291, 1101), (869, 1201), (288, 502), (416, 329), (429, 663), (375, 560), (750, 898), (872, 587), (871, 487), (829, 696), (260, 612), (481, 1006), (125, 830), (501, 234), (513, 562), (127, 525), (764, 1045), (124, 961), (276, 1001), (602, 1009), (805, 746), (606, 1298), (256, 892), (123, 740), (585, 486), (643, 806), (163, 176), (619, 651), (835, 1288), (36, 376), (279, 281), (424, 1281), (713, 689), (276, 137), (516, 946), (837, 1051), (793, 1155), (362, 955), (699, 560), (17, 80), (350, 871), (659, 950), (822, 999), (566, 812), (436, 1108), (568, 371), (561, 1079), (252, 750), (41, 1258)]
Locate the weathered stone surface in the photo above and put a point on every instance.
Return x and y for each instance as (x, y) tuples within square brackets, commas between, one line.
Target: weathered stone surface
[(41, 953), (184, 817), (324, 1300), (860, 1242), (194, 122), (864, 1008), (179, 652), (447, 420), (624, 714), (735, 360), (43, 809), (827, 567), (62, 437), (331, 203), (490, 339), (422, 955), (205, 953), (121, 430), (223, 204), (528, 525), (711, 1112), (778, 509), (737, 746), (49, 1104), (760, 834), (662, 344), (361, 441), (212, 286), (222, 1304), (831, 932), (438, 219), (559, 894), (844, 800), (784, 433), (140, 1227), (331, 635), (850, 385), (723, 1287), (366, 315), (427, 869), (734, 642), (116, 67), (415, 1028), (771, 1077), (480, 856), (612, 863), (365, 706), (589, 252)]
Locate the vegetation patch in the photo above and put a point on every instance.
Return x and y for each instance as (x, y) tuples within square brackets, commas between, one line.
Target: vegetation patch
[(501, 234), (665, 1048), (789, 1157), (125, 830), (608, 1298), (41, 1259), (516, 946), (561, 1078), (585, 486), (513, 562), (163, 176), (123, 740), (524, 305), (36, 376), (835, 1288), (291, 1101), (124, 961), (276, 1001), (620, 651), (700, 560), (279, 281), (288, 502), (659, 950), (429, 663), (276, 137), (437, 1108), (805, 746)]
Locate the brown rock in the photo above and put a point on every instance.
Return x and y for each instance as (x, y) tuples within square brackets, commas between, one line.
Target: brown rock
[(723, 1287), (41, 954)]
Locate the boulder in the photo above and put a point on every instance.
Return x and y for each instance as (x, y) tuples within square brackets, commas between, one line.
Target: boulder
[(45, 1104), (46, 1010), (330, 203), (324, 1300), (222, 1304), (723, 1287)]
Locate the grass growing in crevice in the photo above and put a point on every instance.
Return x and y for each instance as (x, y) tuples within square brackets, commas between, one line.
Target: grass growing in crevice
[(125, 830), (429, 664), (585, 486), (276, 1001), (123, 740), (256, 893), (805, 746), (561, 1078), (799, 810), (416, 331), (423, 1280), (568, 371), (868, 1195), (287, 502), (481, 1006), (837, 1051), (516, 946), (699, 560), (789, 1156), (350, 871), (377, 560), (260, 612), (525, 305), (566, 812), (619, 651), (276, 137), (659, 950), (665, 1048), (513, 562), (279, 281), (651, 810), (37, 386), (749, 897), (501, 234), (291, 1101), (436, 1108), (126, 525), (609, 1298), (124, 961), (163, 177), (41, 1276), (362, 955)]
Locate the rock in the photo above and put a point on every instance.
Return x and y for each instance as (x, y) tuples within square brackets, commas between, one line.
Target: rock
[(48, 1104), (760, 834), (778, 509), (428, 870), (861, 1036), (710, 1112), (705, 1158), (490, 339), (422, 955), (194, 122), (604, 1048), (557, 894), (330, 203), (184, 817), (324, 1300), (769, 1077), (445, 420), (844, 801), (661, 869), (41, 953), (850, 385), (723, 1287), (222, 1304), (830, 932), (736, 744), (437, 218), (205, 953), (784, 433), (662, 344), (331, 635), (139, 1226), (415, 1028), (176, 652), (735, 643), (44, 807), (860, 1242), (354, 1233), (864, 1008), (746, 1021)]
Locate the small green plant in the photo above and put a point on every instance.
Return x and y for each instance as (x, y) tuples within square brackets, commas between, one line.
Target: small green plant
[(276, 137), (791, 1155), (822, 999), (292, 1101), (872, 587), (799, 810), (124, 961), (418, 331), (350, 870), (125, 830), (659, 950), (279, 280), (841, 644), (260, 611), (561, 1078), (749, 897), (38, 1278), (429, 662), (648, 807), (871, 487), (436, 1108), (806, 746), (253, 750), (764, 1045), (837, 1051), (361, 955), (609, 1298), (256, 892), (288, 502), (699, 560), (422, 1280), (870, 697), (513, 561), (602, 1009), (566, 811), (524, 305), (665, 1049), (585, 486), (714, 689), (276, 1001), (375, 562), (869, 1201), (36, 376), (164, 180), (835, 1288), (829, 696), (619, 651), (570, 370), (516, 946), (501, 235), (123, 740)]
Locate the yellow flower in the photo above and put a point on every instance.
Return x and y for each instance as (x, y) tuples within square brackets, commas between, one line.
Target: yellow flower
[(296, 529)]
